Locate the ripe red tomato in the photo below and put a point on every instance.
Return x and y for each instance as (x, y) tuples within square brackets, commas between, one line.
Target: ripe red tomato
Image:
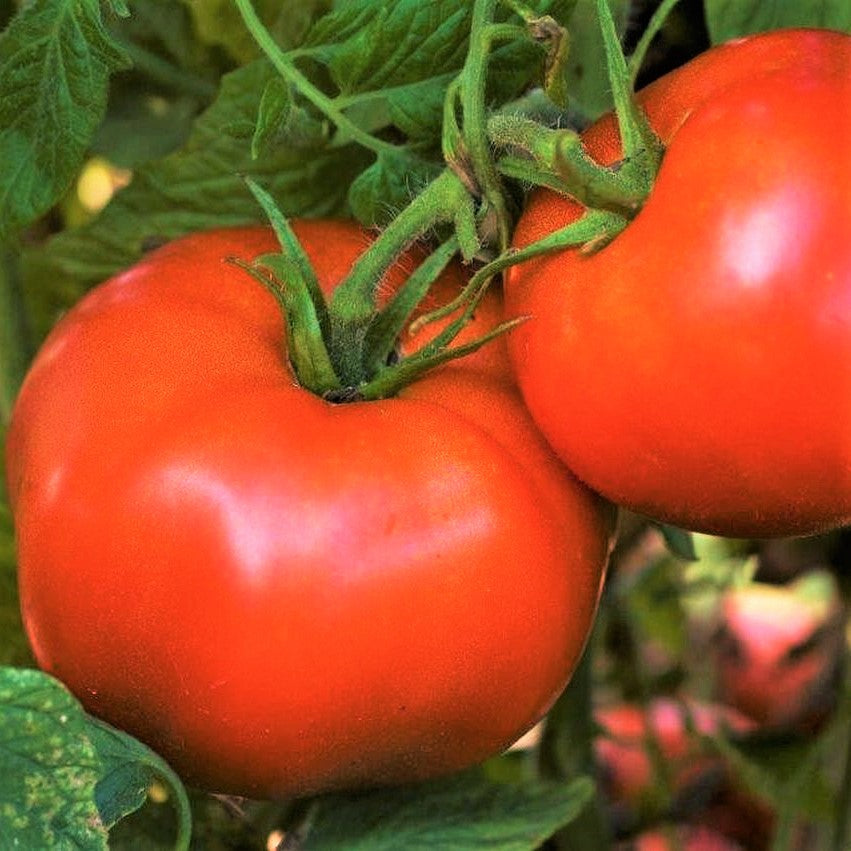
[(279, 594), (780, 651), (625, 765), (697, 369), (685, 838)]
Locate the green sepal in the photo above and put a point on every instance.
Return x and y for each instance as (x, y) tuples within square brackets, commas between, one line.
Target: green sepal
[(383, 332), (590, 233), (642, 150), (408, 370), (307, 350), (294, 250)]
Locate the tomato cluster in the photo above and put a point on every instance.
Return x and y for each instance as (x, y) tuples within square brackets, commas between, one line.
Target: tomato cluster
[(284, 595)]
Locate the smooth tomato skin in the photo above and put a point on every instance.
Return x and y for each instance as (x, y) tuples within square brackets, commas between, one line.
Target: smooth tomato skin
[(698, 368), (278, 594)]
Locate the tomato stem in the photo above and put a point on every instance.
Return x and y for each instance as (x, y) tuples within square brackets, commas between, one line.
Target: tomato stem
[(559, 160), (345, 349), (444, 200), (384, 331), (474, 113)]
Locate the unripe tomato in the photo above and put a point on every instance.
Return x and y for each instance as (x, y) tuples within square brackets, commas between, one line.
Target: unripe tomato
[(697, 369), (280, 594)]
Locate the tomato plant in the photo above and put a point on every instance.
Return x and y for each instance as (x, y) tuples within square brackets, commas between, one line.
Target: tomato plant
[(696, 368), (280, 594), (276, 504)]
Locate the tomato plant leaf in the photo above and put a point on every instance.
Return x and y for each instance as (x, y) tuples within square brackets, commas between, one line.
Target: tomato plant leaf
[(396, 59), (588, 88), (728, 19), (50, 769), (679, 542), (462, 812), (388, 185), (218, 22), (194, 188), (162, 40), (129, 768), (55, 60), (654, 603), (403, 42), (281, 119)]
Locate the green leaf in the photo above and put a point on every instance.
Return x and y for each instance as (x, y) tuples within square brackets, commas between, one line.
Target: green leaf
[(167, 30), (219, 22), (55, 61), (404, 42), (417, 108), (281, 120), (679, 542), (139, 128), (394, 61), (456, 814), (276, 106), (388, 185), (728, 19), (195, 188), (588, 86), (655, 604), (128, 769), (50, 768)]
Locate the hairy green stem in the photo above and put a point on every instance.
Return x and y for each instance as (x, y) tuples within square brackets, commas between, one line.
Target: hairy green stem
[(353, 305), (474, 110), (289, 72), (563, 163), (354, 300)]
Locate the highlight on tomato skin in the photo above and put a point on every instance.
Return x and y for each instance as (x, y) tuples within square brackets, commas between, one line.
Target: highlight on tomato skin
[(696, 369), (279, 594)]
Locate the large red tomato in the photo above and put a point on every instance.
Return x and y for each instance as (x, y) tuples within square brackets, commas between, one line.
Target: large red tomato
[(698, 368), (280, 594)]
